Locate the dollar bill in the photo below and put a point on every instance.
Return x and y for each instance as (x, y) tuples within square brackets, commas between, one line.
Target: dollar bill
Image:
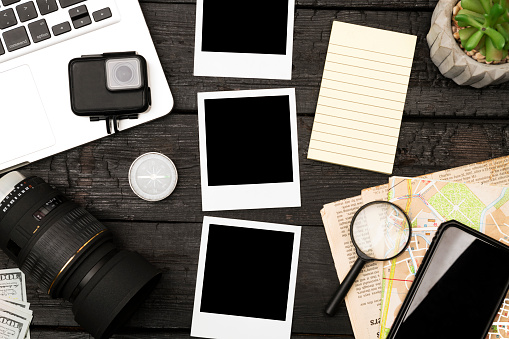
[(13, 303), (12, 284), (19, 303), (12, 326), (18, 311)]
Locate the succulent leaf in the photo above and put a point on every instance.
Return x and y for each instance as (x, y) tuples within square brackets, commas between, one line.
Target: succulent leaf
[(473, 40), (504, 4), (472, 5), (492, 53), (470, 21), (497, 38), (486, 5), (502, 31), (466, 33), (477, 16), (496, 11), (481, 43), (503, 18)]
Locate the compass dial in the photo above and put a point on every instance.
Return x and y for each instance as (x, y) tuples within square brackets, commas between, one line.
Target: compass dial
[(153, 176)]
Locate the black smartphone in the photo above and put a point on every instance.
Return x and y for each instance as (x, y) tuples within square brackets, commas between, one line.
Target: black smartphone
[(458, 289), (110, 84)]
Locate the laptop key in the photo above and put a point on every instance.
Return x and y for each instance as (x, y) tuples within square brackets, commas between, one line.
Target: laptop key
[(47, 6), (104, 13), (2, 51), (62, 28), (26, 11), (9, 2), (77, 12), (67, 3), (7, 18), (80, 17), (16, 38), (84, 21), (39, 31)]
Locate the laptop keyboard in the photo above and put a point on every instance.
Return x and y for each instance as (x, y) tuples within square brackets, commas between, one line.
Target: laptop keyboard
[(27, 26)]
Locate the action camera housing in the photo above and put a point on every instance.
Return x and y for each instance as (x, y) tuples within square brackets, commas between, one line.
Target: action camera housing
[(107, 85)]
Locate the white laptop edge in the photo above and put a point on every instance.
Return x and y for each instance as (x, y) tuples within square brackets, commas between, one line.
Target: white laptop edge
[(49, 68)]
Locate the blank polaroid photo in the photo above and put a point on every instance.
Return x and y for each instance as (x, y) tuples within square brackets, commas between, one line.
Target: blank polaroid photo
[(245, 286), (248, 149), (244, 39)]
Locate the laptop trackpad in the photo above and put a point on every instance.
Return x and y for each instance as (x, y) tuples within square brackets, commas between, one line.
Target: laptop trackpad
[(24, 126)]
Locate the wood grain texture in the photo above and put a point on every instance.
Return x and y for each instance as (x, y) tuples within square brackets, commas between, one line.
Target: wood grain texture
[(382, 4), (429, 94), (75, 333), (174, 249), (95, 175)]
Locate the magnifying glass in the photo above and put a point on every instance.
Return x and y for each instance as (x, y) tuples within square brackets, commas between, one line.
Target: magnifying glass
[(380, 231)]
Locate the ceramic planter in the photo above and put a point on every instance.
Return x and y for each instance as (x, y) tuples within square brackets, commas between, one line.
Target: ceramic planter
[(451, 60)]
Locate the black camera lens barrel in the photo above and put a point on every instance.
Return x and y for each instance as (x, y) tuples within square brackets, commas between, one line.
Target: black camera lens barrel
[(63, 235), (65, 239), (71, 255), (12, 229)]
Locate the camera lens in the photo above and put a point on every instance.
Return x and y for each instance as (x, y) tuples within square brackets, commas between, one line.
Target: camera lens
[(71, 254), (124, 73)]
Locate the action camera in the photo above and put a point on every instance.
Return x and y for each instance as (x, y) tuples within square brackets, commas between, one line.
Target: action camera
[(111, 85)]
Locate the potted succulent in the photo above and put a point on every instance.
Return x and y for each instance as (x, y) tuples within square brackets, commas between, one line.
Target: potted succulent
[(469, 41)]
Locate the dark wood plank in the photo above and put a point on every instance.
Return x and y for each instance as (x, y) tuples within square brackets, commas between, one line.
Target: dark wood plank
[(429, 94), (382, 4), (174, 249), (43, 333), (95, 175)]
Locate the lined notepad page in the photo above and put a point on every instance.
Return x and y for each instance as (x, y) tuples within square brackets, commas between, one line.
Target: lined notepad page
[(362, 97)]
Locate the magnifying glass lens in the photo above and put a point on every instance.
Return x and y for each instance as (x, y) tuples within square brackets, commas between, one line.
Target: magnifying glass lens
[(380, 231)]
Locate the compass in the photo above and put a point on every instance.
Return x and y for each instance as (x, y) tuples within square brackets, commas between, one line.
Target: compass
[(153, 176)]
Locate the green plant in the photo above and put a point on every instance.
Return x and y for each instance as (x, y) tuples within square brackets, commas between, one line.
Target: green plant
[(486, 29)]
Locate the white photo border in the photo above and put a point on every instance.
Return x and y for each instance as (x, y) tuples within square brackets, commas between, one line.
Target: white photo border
[(243, 65), (211, 325), (251, 196)]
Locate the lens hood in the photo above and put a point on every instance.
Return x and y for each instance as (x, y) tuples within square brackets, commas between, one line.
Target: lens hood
[(114, 293)]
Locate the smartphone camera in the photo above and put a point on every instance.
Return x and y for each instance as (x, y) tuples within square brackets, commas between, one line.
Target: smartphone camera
[(123, 74)]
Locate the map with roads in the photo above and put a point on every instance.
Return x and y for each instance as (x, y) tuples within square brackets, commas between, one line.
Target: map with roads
[(428, 203)]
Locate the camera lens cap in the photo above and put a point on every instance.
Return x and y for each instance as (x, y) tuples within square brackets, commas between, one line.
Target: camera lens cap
[(153, 176)]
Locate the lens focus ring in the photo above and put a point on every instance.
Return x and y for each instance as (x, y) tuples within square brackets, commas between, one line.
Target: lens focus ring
[(62, 241)]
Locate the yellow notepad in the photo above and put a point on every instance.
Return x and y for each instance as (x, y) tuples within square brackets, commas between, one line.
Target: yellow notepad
[(361, 101)]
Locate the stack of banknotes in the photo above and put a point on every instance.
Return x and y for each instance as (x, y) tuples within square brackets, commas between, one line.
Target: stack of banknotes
[(15, 315)]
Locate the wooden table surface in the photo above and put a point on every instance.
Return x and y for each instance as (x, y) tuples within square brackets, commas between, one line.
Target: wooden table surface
[(444, 126)]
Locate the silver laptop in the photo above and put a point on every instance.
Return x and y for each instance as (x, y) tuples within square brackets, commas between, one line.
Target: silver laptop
[(38, 38)]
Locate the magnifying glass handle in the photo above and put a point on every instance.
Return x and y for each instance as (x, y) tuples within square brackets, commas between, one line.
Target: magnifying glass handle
[(344, 287)]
